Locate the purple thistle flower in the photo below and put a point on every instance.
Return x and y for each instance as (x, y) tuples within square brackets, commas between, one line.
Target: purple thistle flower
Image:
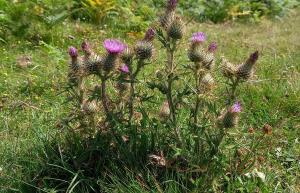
[(172, 4), (73, 52), (113, 46), (198, 37), (212, 47), (236, 108), (149, 35), (124, 68)]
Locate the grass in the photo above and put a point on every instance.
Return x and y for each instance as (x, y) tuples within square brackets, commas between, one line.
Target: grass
[(32, 103)]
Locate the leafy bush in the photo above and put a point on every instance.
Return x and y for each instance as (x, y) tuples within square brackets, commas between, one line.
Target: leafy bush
[(30, 19), (118, 130)]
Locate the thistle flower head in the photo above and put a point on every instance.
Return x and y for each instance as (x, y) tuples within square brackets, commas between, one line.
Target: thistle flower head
[(236, 108), (198, 37), (149, 35), (171, 5), (113, 46), (73, 52), (212, 47), (124, 68)]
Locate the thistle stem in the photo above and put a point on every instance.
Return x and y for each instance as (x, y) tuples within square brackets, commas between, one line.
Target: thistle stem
[(132, 88), (104, 96)]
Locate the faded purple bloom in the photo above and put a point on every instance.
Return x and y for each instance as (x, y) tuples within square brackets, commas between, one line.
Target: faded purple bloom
[(113, 46), (85, 46), (73, 52), (236, 108), (212, 47), (124, 68), (254, 57), (198, 37), (149, 35), (172, 4)]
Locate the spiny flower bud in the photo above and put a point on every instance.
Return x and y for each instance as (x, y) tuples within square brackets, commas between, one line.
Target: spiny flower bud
[(127, 55), (73, 52), (208, 61), (89, 107), (110, 62), (164, 112), (85, 46), (175, 29), (74, 65), (143, 50), (230, 118), (171, 5), (228, 69), (149, 35), (245, 71), (196, 54), (207, 83)]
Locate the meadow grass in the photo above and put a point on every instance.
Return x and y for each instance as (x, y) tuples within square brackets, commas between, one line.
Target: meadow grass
[(32, 103)]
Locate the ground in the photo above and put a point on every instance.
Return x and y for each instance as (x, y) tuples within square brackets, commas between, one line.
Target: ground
[(32, 98)]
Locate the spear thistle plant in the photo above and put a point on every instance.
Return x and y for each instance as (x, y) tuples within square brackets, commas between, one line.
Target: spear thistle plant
[(120, 99)]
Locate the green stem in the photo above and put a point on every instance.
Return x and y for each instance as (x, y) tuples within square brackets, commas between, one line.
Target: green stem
[(104, 97), (132, 88)]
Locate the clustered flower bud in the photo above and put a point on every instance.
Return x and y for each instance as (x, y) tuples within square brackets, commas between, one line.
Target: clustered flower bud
[(91, 61), (198, 54), (243, 71), (229, 119)]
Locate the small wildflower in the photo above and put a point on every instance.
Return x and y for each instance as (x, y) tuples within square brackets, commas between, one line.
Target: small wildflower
[(73, 52), (114, 46)]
